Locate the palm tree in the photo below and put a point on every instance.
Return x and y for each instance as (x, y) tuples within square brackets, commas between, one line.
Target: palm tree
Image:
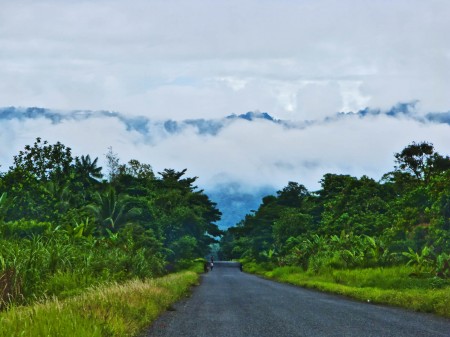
[(60, 193), (109, 210), (88, 170)]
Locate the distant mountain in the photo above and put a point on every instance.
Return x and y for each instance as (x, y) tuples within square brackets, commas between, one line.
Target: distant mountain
[(214, 126), (235, 203), (145, 125), (439, 117), (251, 116), (137, 123), (140, 124), (404, 110), (400, 109)]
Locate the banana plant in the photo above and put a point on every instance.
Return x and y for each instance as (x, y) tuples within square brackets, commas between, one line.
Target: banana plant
[(83, 229), (421, 261), (270, 253)]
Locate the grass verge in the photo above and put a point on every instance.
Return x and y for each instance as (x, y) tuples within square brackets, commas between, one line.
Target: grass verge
[(114, 310), (393, 286)]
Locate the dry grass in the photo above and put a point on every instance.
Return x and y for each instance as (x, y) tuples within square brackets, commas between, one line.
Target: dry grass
[(114, 310)]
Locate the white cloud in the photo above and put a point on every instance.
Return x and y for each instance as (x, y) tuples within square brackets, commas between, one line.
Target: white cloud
[(257, 153), (319, 99), (123, 56)]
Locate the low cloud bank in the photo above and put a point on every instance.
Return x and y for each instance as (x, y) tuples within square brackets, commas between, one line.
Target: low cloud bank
[(254, 151)]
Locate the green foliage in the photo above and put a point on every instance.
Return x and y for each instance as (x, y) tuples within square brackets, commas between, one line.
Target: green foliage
[(353, 223), (391, 285), (441, 266), (420, 260), (421, 161), (45, 161), (87, 170), (292, 223), (25, 229), (108, 210), (4, 205), (63, 229)]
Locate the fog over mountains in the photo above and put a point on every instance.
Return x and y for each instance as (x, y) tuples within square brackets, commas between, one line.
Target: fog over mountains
[(140, 124), (238, 158), (149, 127)]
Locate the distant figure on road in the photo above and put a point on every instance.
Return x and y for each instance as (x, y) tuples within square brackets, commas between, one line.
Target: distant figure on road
[(211, 265), (240, 266)]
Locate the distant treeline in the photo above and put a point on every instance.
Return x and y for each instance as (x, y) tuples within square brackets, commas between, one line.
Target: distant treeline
[(64, 225), (355, 222)]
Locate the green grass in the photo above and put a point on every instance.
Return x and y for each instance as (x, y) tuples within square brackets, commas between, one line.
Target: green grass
[(393, 286), (114, 310)]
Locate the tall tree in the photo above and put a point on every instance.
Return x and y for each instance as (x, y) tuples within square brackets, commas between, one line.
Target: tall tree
[(45, 161), (37, 170), (292, 195), (420, 160)]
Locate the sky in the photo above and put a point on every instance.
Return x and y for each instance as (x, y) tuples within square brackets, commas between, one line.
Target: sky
[(301, 61)]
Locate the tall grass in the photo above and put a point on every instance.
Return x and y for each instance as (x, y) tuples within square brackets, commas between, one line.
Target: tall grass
[(57, 265), (390, 285), (114, 310)]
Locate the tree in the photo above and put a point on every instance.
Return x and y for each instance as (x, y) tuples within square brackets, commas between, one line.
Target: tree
[(292, 195), (292, 223), (172, 179), (181, 210), (420, 160), (87, 170), (5, 203), (438, 192), (138, 170), (45, 161), (109, 210), (135, 178), (359, 207), (113, 164)]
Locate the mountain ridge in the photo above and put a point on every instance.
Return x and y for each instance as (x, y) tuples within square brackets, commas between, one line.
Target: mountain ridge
[(212, 126)]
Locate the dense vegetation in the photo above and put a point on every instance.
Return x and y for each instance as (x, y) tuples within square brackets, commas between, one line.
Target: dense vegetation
[(355, 223), (64, 227)]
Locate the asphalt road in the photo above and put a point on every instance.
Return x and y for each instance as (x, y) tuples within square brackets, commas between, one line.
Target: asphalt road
[(230, 303)]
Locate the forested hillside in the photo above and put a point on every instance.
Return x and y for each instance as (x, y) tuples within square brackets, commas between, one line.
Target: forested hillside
[(65, 226), (404, 219)]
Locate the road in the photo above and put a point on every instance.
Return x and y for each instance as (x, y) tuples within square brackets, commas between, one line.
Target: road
[(229, 303)]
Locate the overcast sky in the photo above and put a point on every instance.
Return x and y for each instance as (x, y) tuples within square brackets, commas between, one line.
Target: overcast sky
[(301, 60)]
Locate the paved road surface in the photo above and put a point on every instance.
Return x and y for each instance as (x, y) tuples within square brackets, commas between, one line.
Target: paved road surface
[(229, 303)]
